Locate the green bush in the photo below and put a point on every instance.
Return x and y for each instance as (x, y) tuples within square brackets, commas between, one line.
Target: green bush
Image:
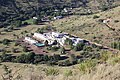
[(5, 57), (95, 16), (64, 63), (87, 48), (115, 45), (6, 41), (104, 7), (25, 58), (38, 58), (35, 21), (79, 47), (62, 50)]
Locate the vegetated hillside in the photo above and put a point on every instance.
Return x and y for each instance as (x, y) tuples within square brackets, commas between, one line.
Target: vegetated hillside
[(92, 28), (11, 10), (43, 72)]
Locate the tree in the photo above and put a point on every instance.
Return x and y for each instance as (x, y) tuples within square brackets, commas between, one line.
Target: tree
[(5, 57), (40, 30), (6, 41), (104, 7), (46, 43), (21, 58), (30, 57), (64, 63), (35, 21), (73, 59), (114, 45), (45, 58), (79, 47), (25, 49), (69, 42), (55, 42), (38, 58), (17, 23), (62, 50), (56, 57)]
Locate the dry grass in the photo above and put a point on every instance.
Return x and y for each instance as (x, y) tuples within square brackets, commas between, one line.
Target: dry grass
[(28, 72), (88, 28)]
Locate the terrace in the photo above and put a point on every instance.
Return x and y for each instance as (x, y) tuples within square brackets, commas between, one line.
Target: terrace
[(36, 43)]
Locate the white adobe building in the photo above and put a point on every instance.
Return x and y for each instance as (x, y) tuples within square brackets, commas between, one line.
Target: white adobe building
[(30, 41), (106, 20), (39, 36), (35, 18), (44, 37), (65, 10), (58, 17), (76, 41), (59, 37)]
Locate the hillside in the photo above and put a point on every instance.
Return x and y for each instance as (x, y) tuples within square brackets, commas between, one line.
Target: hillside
[(89, 34), (92, 29), (25, 9)]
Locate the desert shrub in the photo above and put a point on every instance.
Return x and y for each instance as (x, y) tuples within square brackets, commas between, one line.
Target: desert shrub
[(104, 7), (38, 58), (16, 44), (115, 45), (64, 63), (95, 16), (14, 50), (87, 48), (114, 60), (116, 21), (87, 65), (68, 73), (40, 30), (51, 71), (105, 55), (6, 41), (50, 63)]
